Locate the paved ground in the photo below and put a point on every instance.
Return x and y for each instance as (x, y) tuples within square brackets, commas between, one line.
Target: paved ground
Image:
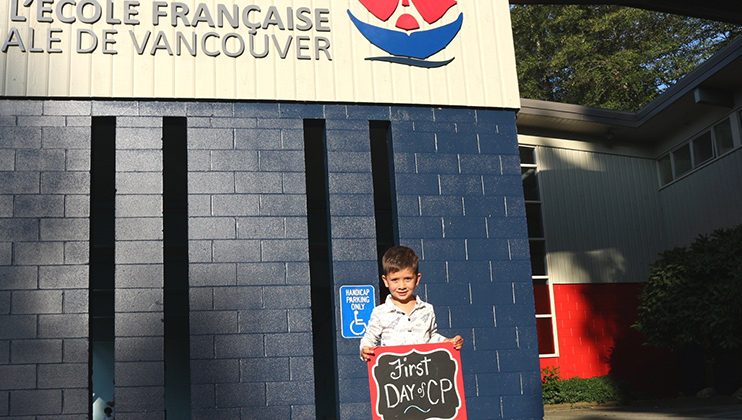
[(676, 409)]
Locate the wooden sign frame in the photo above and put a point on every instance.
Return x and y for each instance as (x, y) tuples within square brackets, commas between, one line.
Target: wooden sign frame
[(425, 391)]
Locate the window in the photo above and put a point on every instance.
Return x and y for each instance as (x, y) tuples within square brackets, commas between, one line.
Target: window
[(544, 317), (703, 149), (710, 144), (665, 167), (538, 256), (542, 289), (530, 185), (527, 156), (723, 134), (535, 225), (681, 157)]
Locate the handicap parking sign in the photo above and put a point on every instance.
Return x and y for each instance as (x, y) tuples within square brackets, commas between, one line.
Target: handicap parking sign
[(356, 304)]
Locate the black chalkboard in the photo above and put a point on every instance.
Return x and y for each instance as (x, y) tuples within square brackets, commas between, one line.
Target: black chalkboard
[(417, 382)]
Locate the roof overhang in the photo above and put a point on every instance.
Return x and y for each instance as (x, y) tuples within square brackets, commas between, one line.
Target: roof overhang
[(701, 92)]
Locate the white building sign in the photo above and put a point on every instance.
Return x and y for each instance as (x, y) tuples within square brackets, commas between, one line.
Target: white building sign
[(433, 52)]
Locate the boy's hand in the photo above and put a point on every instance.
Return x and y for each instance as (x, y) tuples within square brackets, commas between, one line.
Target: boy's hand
[(367, 353), (457, 341)]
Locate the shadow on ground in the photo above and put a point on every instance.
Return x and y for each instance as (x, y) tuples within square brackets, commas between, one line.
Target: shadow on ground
[(676, 409)]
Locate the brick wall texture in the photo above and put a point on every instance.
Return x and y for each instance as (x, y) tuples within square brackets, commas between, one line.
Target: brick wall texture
[(44, 232), (459, 205), (138, 296)]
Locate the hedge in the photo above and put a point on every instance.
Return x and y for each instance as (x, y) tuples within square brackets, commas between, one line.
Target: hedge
[(598, 389)]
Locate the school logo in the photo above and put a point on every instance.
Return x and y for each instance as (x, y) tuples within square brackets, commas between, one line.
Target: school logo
[(418, 34)]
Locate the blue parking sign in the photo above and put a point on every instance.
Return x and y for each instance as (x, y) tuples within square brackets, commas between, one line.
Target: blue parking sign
[(356, 304)]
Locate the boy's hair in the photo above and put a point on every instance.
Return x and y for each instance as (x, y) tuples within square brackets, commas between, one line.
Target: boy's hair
[(398, 258)]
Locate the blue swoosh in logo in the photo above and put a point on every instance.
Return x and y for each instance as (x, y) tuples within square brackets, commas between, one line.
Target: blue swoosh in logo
[(418, 45)]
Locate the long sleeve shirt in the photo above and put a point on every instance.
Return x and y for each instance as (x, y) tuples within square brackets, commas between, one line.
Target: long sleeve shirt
[(390, 326)]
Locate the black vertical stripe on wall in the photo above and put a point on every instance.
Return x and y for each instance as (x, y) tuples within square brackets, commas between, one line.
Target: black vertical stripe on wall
[(175, 289), (385, 207), (320, 271), (101, 269)]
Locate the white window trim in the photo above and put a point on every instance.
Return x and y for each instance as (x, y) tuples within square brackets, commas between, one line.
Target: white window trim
[(552, 314), (735, 120)]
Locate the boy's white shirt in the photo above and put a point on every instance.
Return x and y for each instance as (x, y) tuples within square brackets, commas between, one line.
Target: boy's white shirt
[(390, 326)]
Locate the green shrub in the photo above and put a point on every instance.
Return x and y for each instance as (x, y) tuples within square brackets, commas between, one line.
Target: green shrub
[(550, 385), (599, 389), (693, 295), (556, 391), (692, 300)]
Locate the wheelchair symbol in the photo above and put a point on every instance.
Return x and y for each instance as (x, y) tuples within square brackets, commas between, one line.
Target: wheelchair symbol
[(357, 326)]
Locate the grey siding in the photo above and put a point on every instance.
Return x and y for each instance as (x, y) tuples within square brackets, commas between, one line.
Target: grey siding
[(707, 199), (601, 215)]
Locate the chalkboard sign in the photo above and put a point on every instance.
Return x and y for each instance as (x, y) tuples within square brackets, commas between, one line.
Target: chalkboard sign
[(423, 381)]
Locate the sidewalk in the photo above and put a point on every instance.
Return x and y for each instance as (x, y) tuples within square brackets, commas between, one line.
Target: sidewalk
[(676, 409)]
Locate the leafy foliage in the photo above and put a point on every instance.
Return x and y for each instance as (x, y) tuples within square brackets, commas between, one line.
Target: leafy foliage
[(608, 56), (694, 295), (550, 385), (556, 391)]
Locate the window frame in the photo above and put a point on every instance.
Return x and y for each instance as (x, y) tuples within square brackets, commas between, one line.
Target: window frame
[(734, 119), (659, 169), (552, 315), (675, 152), (712, 137), (545, 278), (717, 152)]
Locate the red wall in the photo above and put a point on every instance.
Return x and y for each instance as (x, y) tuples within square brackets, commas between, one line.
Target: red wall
[(595, 338)]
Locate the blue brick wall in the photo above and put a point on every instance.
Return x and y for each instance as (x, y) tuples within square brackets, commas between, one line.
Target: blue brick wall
[(459, 202), (353, 238), (251, 336), (44, 229)]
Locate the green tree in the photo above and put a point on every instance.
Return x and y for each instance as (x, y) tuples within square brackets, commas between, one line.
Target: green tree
[(608, 56), (694, 296)]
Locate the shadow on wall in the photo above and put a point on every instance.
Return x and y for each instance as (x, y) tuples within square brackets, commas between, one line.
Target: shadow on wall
[(643, 369), (596, 339), (603, 228), (600, 227), (671, 372), (606, 222), (43, 258)]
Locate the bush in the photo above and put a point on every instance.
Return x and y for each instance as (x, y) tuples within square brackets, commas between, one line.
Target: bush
[(693, 295), (599, 389), (556, 391), (693, 300), (550, 385)]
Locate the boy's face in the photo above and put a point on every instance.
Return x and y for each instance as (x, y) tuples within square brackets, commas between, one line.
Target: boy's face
[(402, 284)]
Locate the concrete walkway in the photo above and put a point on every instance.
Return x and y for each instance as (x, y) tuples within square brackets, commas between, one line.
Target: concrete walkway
[(676, 409)]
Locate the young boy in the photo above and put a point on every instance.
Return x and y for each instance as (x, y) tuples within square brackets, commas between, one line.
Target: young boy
[(403, 318)]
